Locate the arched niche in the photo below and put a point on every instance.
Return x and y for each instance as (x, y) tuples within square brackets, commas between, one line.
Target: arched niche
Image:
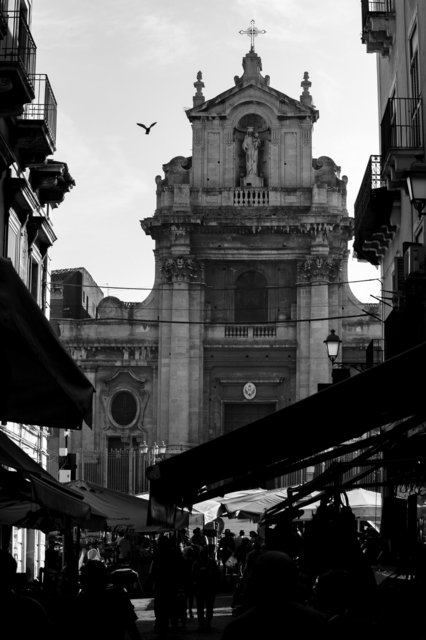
[(258, 125)]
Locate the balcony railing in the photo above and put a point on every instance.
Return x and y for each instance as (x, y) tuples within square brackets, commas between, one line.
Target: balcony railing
[(250, 331), (371, 180), (369, 7), (18, 44), (402, 125), (44, 105), (3, 21), (251, 197)]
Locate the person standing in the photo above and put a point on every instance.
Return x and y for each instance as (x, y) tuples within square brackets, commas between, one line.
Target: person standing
[(205, 580), (22, 617), (100, 609)]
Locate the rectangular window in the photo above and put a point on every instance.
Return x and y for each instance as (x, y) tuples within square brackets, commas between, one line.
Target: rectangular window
[(416, 115), (414, 63), (35, 281), (14, 240)]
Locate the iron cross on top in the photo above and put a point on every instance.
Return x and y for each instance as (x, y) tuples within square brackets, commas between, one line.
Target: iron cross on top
[(252, 32)]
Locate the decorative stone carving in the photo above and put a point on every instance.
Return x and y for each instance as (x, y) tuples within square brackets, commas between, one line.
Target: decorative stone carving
[(306, 97), (127, 381), (183, 268), (199, 85), (249, 391), (318, 268)]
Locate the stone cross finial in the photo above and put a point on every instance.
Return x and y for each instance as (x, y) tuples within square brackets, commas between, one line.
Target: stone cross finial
[(252, 32), (199, 84)]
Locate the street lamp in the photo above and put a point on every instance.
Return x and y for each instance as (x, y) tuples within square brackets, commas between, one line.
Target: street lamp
[(154, 450), (149, 454), (332, 342), (416, 185)]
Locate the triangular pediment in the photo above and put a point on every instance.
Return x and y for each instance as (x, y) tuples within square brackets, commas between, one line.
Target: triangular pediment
[(252, 92)]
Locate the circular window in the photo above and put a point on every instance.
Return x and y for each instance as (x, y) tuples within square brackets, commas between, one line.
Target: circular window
[(124, 408)]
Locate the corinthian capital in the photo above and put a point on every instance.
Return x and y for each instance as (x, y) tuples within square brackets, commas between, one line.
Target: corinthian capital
[(318, 268)]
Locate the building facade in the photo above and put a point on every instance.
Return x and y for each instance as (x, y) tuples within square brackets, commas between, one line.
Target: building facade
[(74, 294), (389, 229), (32, 185), (251, 250)]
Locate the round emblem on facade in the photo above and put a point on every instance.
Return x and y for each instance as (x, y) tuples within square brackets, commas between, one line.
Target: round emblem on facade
[(249, 390)]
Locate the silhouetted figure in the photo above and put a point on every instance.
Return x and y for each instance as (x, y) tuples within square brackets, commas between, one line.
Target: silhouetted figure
[(226, 546), (22, 617), (205, 580), (166, 576), (102, 610), (335, 594), (189, 555), (147, 129), (273, 610)]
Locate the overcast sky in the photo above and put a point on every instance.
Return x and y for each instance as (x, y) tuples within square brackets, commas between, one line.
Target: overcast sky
[(113, 64)]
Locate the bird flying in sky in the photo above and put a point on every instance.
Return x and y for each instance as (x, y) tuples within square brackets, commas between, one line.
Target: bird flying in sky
[(147, 129)]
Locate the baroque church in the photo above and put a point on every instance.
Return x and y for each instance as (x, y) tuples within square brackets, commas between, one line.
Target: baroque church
[(251, 253)]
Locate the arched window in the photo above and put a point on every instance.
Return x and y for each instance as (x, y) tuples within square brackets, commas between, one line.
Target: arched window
[(251, 298)]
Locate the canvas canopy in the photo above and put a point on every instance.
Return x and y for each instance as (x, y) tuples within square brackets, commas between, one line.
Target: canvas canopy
[(252, 504), (120, 509), (30, 497), (384, 394), (40, 382)]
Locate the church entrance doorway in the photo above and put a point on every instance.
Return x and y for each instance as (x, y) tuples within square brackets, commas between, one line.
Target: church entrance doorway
[(238, 414)]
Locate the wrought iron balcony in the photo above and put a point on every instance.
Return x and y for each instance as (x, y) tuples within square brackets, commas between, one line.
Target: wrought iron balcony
[(44, 106), (17, 64), (401, 135), (3, 20), (373, 206), (36, 128), (378, 25)]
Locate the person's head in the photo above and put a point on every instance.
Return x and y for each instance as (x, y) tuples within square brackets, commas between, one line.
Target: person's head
[(7, 570), (94, 576), (273, 578), (93, 554), (242, 533)]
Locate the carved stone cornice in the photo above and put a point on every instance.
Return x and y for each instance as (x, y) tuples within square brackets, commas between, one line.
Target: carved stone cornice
[(180, 268), (127, 351), (318, 268)]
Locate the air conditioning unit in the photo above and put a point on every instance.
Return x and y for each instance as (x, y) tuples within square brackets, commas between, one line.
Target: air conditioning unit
[(415, 260)]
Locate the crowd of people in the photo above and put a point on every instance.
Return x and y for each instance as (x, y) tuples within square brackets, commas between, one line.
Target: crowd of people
[(319, 580)]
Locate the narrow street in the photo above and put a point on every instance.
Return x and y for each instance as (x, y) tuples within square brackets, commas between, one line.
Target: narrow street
[(144, 608)]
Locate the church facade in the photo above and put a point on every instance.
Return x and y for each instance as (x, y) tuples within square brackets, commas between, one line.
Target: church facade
[(251, 252)]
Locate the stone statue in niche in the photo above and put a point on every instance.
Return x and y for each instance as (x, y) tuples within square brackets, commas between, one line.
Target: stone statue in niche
[(251, 144)]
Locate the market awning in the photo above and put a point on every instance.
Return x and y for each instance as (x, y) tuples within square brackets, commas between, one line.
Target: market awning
[(378, 396), (40, 382), (31, 497), (120, 509)]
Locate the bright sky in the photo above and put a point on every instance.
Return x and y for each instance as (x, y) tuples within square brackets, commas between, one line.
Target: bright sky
[(113, 64)]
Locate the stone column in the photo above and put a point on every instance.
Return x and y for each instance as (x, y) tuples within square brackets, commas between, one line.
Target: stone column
[(314, 277), (179, 366), (180, 362)]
